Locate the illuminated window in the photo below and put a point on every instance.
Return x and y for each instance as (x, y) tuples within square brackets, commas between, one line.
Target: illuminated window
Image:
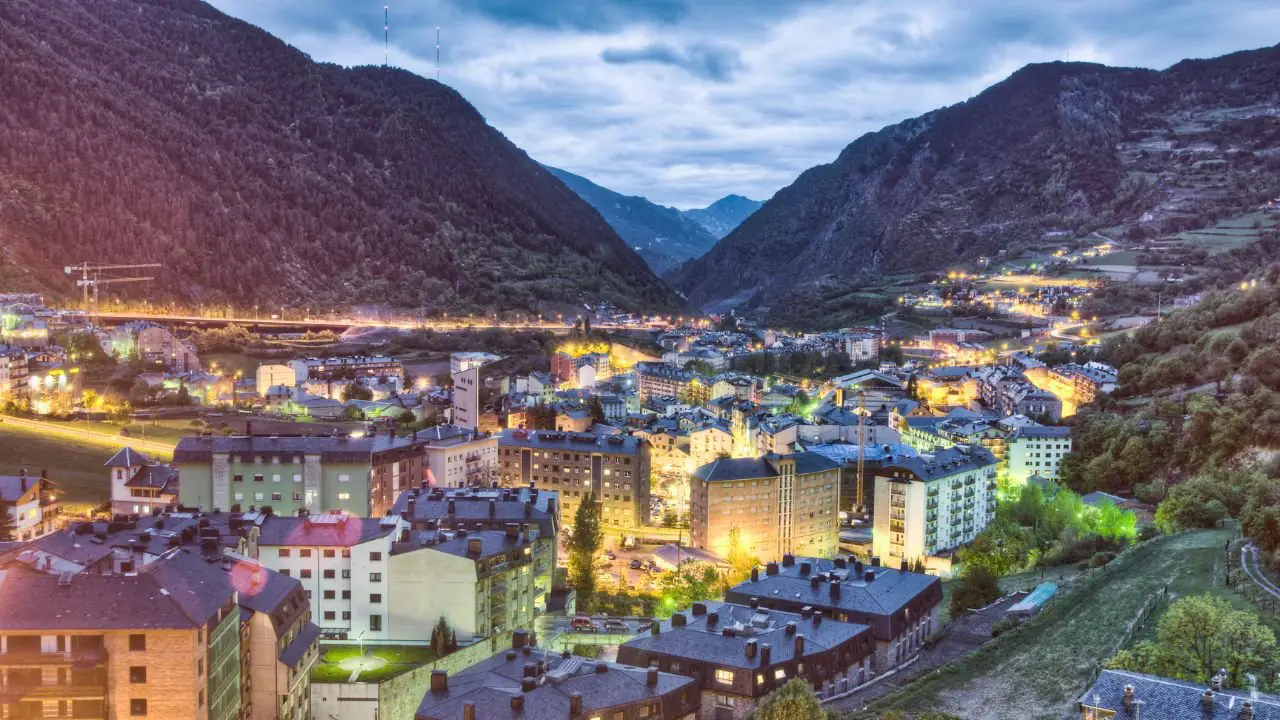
[(780, 674), (724, 676), (344, 496)]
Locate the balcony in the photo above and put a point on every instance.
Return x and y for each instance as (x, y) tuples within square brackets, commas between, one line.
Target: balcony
[(84, 658), (931, 517)]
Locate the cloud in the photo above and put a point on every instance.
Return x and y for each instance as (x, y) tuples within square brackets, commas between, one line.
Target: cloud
[(685, 101), (711, 62)]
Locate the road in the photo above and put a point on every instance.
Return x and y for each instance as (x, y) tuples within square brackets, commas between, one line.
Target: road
[(65, 432), (335, 323), (1249, 561)]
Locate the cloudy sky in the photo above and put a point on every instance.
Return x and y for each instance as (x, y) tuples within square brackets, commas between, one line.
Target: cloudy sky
[(684, 101)]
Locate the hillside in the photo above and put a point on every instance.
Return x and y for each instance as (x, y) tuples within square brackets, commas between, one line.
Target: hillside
[(163, 130), (724, 215), (663, 236), (1060, 147)]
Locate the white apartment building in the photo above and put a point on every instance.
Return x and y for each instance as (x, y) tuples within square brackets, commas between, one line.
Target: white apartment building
[(32, 505), (1036, 450), (464, 368), (932, 503), (457, 457), (13, 372)]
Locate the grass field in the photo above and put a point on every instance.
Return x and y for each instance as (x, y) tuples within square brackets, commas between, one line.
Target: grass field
[(1040, 669), (76, 467), (392, 660)]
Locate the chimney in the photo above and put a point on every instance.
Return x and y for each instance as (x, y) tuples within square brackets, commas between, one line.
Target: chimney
[(771, 569), (755, 574), (511, 655), (875, 562), (1206, 701), (699, 609), (528, 684), (474, 545), (857, 568), (806, 612), (835, 589), (788, 560), (452, 507), (800, 646), (791, 627), (817, 618), (712, 619), (551, 505), (904, 567), (805, 567), (842, 563), (530, 670), (602, 667), (493, 511), (1128, 698), (655, 628), (750, 647), (678, 620), (765, 651), (1215, 682), (468, 711), (439, 681), (517, 701), (869, 576), (519, 639), (754, 603), (575, 705), (248, 428), (651, 677), (813, 582), (1246, 710)]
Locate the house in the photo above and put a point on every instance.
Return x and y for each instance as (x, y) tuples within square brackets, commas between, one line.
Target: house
[(139, 485), (1126, 695), (32, 504)]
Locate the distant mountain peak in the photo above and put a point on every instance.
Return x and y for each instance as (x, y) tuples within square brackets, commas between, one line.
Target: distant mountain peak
[(724, 215)]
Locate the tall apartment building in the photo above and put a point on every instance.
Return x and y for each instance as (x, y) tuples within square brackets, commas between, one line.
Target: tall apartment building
[(614, 468), (32, 504), (458, 457), (929, 504), (464, 368), (777, 504), (662, 380), (13, 373), (163, 642), (1036, 450), (535, 513), (360, 476)]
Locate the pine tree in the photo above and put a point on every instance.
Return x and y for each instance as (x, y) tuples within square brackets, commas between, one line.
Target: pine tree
[(583, 548), (6, 522)]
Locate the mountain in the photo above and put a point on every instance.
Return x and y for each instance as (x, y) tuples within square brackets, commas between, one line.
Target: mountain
[(663, 236), (166, 131), (724, 215), (1064, 148)]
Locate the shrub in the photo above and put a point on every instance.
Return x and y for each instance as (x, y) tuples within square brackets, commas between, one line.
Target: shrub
[(1004, 624), (1101, 558)]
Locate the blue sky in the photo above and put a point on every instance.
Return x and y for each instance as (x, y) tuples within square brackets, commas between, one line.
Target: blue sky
[(685, 101)]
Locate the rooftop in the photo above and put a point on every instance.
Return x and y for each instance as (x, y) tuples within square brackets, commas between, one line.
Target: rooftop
[(731, 469), (328, 530), (580, 442), (947, 462), (1160, 698), (886, 594)]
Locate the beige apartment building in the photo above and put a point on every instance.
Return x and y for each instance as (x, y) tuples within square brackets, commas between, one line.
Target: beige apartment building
[(778, 504)]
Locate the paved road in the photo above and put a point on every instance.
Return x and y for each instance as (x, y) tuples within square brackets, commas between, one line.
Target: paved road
[(68, 432), (1249, 561), (478, 323)]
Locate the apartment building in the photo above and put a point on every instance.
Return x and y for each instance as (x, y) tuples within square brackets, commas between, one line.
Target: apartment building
[(464, 369), (536, 513), (1036, 450), (777, 504), (360, 476), (457, 456), (32, 504), (737, 654), (140, 485), (933, 503), (13, 373), (534, 683), (662, 380), (901, 607), (347, 367), (613, 468), (163, 642)]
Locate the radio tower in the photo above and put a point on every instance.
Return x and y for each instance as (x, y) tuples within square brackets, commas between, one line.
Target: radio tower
[(386, 35), (437, 54)]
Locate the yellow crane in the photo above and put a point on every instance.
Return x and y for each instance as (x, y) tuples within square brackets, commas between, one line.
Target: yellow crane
[(91, 278)]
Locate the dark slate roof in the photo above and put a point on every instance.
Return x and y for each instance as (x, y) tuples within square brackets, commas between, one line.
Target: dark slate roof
[(317, 531), (573, 442), (944, 463), (473, 505), (261, 589), (490, 684), (155, 476), (91, 547), (730, 469), (294, 652), (179, 591), (446, 435), (1160, 698), (808, 463), (492, 542), (330, 449), (885, 595), (697, 641), (1042, 431), (127, 457), (13, 487)]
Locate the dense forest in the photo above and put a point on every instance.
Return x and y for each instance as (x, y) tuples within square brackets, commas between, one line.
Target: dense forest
[(165, 131)]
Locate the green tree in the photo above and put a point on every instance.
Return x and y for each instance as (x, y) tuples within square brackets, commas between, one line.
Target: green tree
[(1112, 523), (793, 701), (976, 588), (584, 547), (356, 391), (6, 522), (1202, 633), (597, 411), (739, 559), (702, 367), (913, 387), (443, 639)]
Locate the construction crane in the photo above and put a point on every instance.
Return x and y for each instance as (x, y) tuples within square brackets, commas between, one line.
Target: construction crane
[(861, 410), (91, 277)]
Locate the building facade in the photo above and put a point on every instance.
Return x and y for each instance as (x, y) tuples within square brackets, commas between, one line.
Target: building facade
[(771, 505), (32, 504), (1036, 450)]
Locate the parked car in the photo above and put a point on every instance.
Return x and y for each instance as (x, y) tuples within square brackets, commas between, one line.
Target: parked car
[(644, 626), (609, 554), (616, 626), (637, 565), (582, 623)]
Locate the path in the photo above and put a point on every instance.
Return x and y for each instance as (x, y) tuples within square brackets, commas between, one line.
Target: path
[(1249, 561), (79, 434)]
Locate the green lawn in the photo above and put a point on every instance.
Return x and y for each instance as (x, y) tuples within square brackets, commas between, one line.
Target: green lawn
[(75, 466), (398, 659), (1046, 664)]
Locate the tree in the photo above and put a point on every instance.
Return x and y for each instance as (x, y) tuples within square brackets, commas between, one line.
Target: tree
[(691, 582), (6, 522), (913, 387), (793, 701), (977, 588), (739, 559), (597, 411), (701, 367), (584, 547), (356, 391), (443, 639), (352, 413)]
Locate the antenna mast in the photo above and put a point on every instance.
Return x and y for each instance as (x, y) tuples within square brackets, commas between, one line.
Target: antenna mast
[(437, 53), (386, 35)]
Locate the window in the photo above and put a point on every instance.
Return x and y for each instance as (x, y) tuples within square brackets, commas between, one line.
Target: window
[(284, 571), (138, 708), (328, 553), (724, 677), (329, 615), (780, 674), (297, 497), (328, 574), (724, 701), (346, 552), (346, 594), (375, 556), (199, 667), (375, 598), (375, 577), (344, 478), (257, 478), (375, 623), (259, 497), (138, 643), (297, 478), (275, 478), (346, 614), (284, 552), (305, 552), (329, 594), (200, 699), (276, 496), (237, 478), (344, 496), (238, 497), (306, 573), (137, 674), (346, 574)]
